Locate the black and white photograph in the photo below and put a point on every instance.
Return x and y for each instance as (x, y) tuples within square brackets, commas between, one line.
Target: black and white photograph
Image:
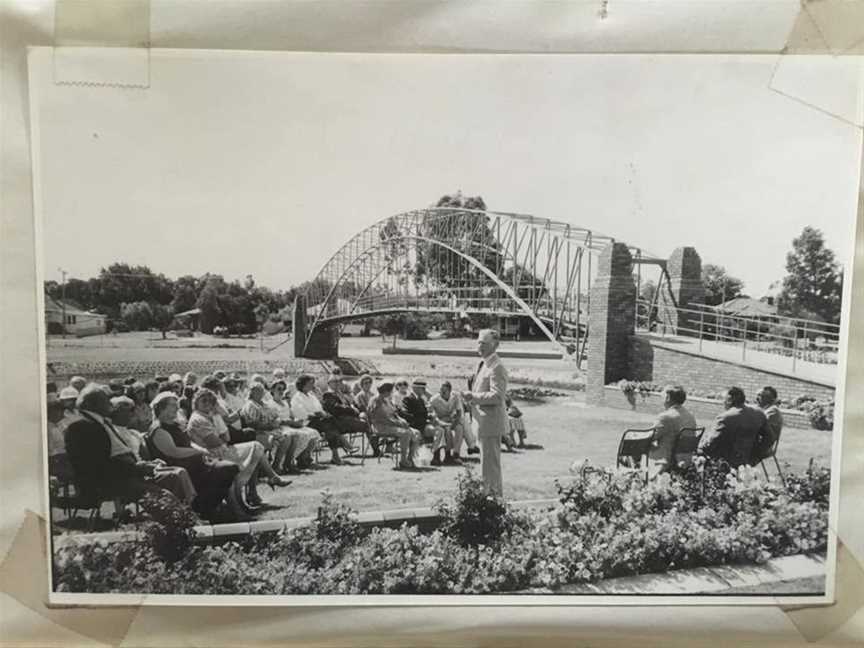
[(325, 328)]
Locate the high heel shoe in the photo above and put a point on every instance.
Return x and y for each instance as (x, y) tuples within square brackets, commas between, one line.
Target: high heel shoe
[(273, 482)]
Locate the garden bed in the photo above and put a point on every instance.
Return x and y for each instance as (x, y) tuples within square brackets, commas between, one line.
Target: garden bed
[(653, 403), (604, 526)]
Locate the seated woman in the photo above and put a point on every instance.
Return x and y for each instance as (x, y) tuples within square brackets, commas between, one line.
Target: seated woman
[(387, 423), (256, 415), (205, 432), (307, 409), (213, 479), (303, 439), (171, 478), (142, 415)]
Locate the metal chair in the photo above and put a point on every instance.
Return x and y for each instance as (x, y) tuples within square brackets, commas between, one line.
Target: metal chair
[(773, 455), (634, 446), (388, 445), (686, 445)]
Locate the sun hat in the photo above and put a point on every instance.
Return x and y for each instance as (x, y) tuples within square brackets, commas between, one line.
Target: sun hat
[(68, 392)]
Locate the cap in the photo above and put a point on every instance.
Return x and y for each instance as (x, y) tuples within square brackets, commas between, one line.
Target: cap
[(122, 400), (175, 377), (420, 382)]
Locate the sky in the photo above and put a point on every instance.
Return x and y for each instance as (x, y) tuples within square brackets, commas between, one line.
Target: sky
[(266, 163)]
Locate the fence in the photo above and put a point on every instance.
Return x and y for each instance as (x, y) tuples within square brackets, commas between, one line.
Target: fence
[(799, 339)]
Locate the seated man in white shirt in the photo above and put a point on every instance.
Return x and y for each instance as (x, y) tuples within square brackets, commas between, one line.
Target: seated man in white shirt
[(449, 411)]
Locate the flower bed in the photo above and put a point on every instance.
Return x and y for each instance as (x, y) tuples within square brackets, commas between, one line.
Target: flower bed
[(605, 525)]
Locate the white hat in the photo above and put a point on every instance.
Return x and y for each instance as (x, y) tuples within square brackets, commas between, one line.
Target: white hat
[(175, 377), (68, 392)]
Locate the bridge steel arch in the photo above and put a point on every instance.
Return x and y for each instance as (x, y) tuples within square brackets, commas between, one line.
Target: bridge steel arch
[(457, 261)]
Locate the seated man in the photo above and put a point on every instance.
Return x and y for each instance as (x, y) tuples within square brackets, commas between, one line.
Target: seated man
[(385, 419), (347, 417), (448, 409), (415, 410), (667, 428), (735, 431), (766, 399), (104, 464)]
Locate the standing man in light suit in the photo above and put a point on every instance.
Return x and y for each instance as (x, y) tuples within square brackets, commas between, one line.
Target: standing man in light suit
[(486, 398)]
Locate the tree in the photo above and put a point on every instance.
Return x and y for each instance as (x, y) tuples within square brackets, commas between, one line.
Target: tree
[(137, 315), (814, 280), (163, 317), (469, 233), (719, 286), (185, 293)]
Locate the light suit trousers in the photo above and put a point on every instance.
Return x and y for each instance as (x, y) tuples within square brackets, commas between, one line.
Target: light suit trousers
[(490, 456)]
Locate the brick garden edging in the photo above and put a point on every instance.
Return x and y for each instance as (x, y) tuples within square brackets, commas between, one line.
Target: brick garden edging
[(422, 516), (700, 407)]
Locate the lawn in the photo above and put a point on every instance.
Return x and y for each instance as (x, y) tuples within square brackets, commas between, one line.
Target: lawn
[(563, 430)]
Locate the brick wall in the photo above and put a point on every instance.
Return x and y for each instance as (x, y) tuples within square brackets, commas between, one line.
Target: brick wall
[(654, 363), (703, 409), (611, 321)]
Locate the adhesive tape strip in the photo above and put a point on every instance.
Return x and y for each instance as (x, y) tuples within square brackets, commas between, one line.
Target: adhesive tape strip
[(102, 43), (24, 577)]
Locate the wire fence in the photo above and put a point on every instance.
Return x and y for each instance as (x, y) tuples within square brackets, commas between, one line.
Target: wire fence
[(799, 339)]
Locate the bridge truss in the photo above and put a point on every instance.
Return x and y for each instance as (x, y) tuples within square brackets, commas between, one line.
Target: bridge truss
[(462, 261)]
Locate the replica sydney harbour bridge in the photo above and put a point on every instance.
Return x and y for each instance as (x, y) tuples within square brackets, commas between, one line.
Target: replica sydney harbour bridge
[(460, 262)]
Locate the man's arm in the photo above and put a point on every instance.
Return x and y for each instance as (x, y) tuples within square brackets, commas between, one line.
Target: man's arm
[(709, 442)]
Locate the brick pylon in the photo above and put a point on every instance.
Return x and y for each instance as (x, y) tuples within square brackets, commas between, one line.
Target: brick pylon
[(611, 322), (685, 279)]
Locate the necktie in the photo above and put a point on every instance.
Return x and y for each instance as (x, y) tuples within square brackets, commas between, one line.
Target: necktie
[(473, 379)]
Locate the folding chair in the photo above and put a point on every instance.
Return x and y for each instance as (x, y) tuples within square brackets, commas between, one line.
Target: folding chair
[(388, 446), (634, 446), (686, 445), (773, 455)]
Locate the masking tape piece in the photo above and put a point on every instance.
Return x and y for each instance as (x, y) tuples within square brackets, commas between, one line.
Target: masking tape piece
[(102, 43), (840, 22), (831, 85), (24, 577), (816, 622), (805, 37)]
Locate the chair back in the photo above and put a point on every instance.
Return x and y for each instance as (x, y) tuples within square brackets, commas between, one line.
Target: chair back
[(635, 444)]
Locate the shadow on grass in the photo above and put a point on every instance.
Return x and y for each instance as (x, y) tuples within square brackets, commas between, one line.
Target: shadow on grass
[(531, 446), (416, 469)]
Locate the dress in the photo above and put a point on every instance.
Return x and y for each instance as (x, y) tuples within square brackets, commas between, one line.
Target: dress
[(304, 437), (203, 431)]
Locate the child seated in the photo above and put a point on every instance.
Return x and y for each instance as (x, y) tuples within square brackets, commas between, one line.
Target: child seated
[(516, 427)]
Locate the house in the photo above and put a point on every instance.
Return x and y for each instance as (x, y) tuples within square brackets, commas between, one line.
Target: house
[(78, 322)]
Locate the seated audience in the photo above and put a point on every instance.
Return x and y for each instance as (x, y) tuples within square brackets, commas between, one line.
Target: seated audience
[(117, 387), (363, 392), (307, 409), (667, 428), (213, 479), (298, 453), (190, 379), (766, 399), (204, 429), (415, 410), (104, 465), (341, 407), (735, 431), (448, 409), (68, 397), (151, 389), (385, 419), (171, 478)]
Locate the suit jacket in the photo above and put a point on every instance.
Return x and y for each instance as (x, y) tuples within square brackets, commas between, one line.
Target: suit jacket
[(488, 405), (414, 410), (734, 434), (668, 426), (96, 471)]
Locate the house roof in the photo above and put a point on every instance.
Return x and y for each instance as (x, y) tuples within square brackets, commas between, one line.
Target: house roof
[(57, 306), (747, 307)]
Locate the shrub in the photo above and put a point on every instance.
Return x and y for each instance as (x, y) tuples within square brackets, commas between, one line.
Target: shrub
[(475, 517), (170, 531)]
